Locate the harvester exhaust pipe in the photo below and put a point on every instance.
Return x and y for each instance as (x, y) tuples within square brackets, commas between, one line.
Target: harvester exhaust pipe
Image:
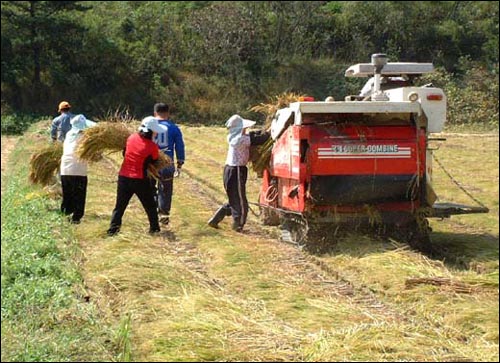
[(379, 60)]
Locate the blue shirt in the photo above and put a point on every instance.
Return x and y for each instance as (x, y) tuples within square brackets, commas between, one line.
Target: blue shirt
[(171, 140), (60, 126)]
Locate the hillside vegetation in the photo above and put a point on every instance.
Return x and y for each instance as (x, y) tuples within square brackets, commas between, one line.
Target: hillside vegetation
[(198, 294), (211, 59)]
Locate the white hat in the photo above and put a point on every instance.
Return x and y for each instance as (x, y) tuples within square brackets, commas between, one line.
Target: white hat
[(150, 123), (80, 122), (236, 121)]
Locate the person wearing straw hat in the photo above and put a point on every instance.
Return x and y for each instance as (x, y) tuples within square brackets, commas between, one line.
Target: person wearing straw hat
[(74, 171), (140, 151), (236, 171), (61, 124)]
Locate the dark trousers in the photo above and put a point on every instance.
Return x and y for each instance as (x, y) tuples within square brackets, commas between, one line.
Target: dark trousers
[(165, 190), (235, 179), (127, 187), (74, 193)]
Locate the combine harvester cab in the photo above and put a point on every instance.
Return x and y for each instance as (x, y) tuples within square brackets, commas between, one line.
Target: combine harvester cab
[(359, 164)]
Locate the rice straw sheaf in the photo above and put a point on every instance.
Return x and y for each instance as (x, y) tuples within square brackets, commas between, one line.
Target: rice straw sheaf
[(260, 155), (104, 137), (112, 137), (163, 162), (275, 103), (456, 286), (45, 163)]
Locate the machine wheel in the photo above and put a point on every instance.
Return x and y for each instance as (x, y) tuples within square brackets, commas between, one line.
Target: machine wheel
[(312, 237), (419, 236), (269, 217), (416, 233)]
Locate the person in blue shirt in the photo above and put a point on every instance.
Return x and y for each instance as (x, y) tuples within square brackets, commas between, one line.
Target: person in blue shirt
[(61, 124), (169, 142)]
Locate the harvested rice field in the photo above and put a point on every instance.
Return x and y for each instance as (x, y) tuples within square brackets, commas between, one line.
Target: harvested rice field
[(194, 293)]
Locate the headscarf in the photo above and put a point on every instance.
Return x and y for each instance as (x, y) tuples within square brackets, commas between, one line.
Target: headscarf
[(236, 124)]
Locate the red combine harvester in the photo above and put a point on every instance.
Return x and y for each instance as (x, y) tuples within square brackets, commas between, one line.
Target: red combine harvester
[(363, 163)]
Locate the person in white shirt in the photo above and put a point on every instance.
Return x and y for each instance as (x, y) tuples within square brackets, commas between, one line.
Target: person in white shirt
[(74, 171), (236, 171)]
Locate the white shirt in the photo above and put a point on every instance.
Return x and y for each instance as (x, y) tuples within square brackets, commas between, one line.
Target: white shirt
[(238, 152), (70, 164)]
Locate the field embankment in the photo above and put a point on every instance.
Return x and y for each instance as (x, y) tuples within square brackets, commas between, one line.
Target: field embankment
[(198, 294)]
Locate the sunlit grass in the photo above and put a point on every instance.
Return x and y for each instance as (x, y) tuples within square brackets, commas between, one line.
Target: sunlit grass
[(45, 314), (199, 294)]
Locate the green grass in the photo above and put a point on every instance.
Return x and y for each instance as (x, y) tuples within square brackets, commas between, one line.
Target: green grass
[(44, 313)]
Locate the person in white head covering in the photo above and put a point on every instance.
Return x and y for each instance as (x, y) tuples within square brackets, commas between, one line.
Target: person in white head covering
[(74, 171), (139, 152), (236, 171)]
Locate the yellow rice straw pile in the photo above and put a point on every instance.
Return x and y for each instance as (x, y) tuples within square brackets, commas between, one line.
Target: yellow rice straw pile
[(260, 155), (45, 163), (456, 286), (275, 103), (163, 162), (111, 137), (104, 137)]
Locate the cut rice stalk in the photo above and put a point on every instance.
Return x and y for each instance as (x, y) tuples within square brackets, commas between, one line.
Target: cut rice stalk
[(105, 136), (45, 163), (260, 156), (163, 162)]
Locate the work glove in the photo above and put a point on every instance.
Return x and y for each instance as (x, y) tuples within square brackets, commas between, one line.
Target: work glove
[(177, 171)]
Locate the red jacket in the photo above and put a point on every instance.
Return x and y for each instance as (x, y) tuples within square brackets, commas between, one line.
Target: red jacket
[(139, 152)]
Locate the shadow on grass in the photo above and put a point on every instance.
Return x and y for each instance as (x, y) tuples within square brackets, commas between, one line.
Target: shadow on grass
[(461, 251), (168, 235), (464, 250)]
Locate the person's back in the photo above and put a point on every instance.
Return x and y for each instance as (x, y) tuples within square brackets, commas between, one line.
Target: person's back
[(62, 123), (70, 163), (170, 143), (239, 149), (236, 172), (73, 171), (138, 152)]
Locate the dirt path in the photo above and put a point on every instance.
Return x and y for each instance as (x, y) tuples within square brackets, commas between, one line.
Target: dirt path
[(8, 143)]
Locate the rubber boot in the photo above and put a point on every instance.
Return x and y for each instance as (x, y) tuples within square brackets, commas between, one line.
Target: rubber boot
[(237, 227), (217, 217)]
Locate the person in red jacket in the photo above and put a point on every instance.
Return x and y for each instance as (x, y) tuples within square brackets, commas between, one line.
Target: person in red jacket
[(139, 152)]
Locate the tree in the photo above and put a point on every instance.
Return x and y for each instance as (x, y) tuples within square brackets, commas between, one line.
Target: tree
[(40, 35)]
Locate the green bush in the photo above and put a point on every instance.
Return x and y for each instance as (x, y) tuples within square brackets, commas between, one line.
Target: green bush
[(15, 124), (206, 100), (472, 96)]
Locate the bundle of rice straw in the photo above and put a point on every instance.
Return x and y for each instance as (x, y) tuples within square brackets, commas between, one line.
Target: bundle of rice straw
[(260, 155), (275, 103), (163, 162), (45, 163), (105, 136), (112, 137)]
